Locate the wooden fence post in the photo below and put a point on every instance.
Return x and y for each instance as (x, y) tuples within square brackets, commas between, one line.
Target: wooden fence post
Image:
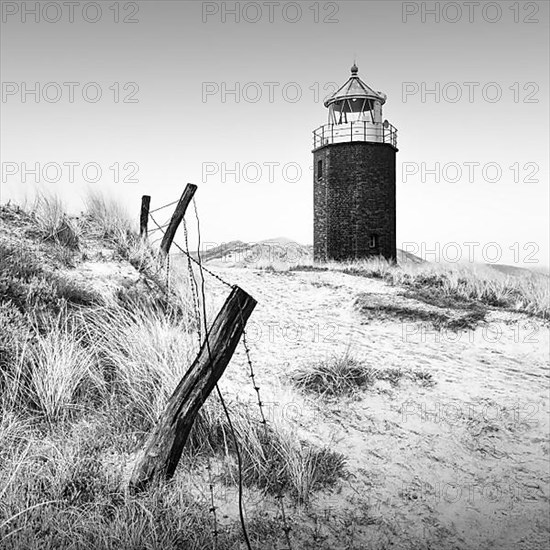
[(144, 215), (177, 216), (162, 450)]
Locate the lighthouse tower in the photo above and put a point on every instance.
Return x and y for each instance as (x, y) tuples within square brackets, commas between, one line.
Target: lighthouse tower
[(354, 176)]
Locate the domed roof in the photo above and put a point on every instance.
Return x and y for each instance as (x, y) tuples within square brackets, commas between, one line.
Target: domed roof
[(355, 88)]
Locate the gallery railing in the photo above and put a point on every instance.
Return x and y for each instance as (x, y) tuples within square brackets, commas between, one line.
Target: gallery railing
[(355, 131)]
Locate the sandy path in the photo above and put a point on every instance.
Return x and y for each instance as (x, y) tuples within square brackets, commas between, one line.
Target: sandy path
[(462, 464)]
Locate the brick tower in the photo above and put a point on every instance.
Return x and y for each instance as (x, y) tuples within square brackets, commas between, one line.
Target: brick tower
[(354, 176)]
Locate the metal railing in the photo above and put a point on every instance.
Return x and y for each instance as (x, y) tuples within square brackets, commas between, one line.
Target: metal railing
[(354, 131)]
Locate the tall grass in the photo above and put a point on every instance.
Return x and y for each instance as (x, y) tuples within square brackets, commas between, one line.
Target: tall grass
[(144, 352), (56, 492), (47, 368), (108, 217), (273, 457), (31, 281), (58, 366), (124, 363), (53, 221), (80, 385)]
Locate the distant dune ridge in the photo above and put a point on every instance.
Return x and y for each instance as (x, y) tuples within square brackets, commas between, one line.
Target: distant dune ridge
[(284, 250), (280, 249)]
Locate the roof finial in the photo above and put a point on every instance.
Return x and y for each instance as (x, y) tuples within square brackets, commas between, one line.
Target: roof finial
[(354, 69)]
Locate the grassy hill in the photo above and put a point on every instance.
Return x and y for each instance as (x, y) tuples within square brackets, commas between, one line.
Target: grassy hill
[(285, 252), (406, 406), (280, 250)]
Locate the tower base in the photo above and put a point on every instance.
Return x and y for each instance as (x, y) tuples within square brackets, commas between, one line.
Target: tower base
[(354, 201)]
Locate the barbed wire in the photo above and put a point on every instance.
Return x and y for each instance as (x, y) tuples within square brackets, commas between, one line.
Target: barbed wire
[(190, 256), (168, 273), (158, 228), (156, 240), (286, 529), (162, 207), (196, 308), (253, 377), (202, 269), (222, 400), (280, 496), (193, 285), (213, 506)]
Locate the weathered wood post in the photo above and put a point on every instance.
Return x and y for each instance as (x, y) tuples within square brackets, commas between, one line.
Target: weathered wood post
[(162, 450), (144, 215), (177, 216)]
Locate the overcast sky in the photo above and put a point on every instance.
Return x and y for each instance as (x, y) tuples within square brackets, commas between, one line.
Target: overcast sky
[(167, 116)]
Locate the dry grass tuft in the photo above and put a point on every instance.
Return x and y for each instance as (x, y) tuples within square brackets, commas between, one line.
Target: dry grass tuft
[(339, 375), (108, 218), (143, 355), (272, 458), (344, 374), (57, 366), (53, 222)]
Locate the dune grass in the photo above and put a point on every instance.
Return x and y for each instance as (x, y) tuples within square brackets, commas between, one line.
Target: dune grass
[(344, 375), (143, 355), (453, 285), (449, 285), (339, 375), (82, 382), (273, 457), (52, 221), (30, 280), (107, 218)]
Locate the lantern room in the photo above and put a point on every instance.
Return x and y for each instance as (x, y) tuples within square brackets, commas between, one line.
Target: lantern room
[(354, 102), (355, 114)]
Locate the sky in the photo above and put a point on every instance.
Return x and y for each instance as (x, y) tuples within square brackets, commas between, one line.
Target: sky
[(134, 98)]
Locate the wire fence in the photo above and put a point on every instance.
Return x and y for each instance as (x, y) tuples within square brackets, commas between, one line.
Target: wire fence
[(202, 329), (163, 207)]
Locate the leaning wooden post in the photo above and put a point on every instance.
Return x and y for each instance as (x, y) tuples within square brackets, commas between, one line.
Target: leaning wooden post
[(144, 215), (160, 454), (177, 216)]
